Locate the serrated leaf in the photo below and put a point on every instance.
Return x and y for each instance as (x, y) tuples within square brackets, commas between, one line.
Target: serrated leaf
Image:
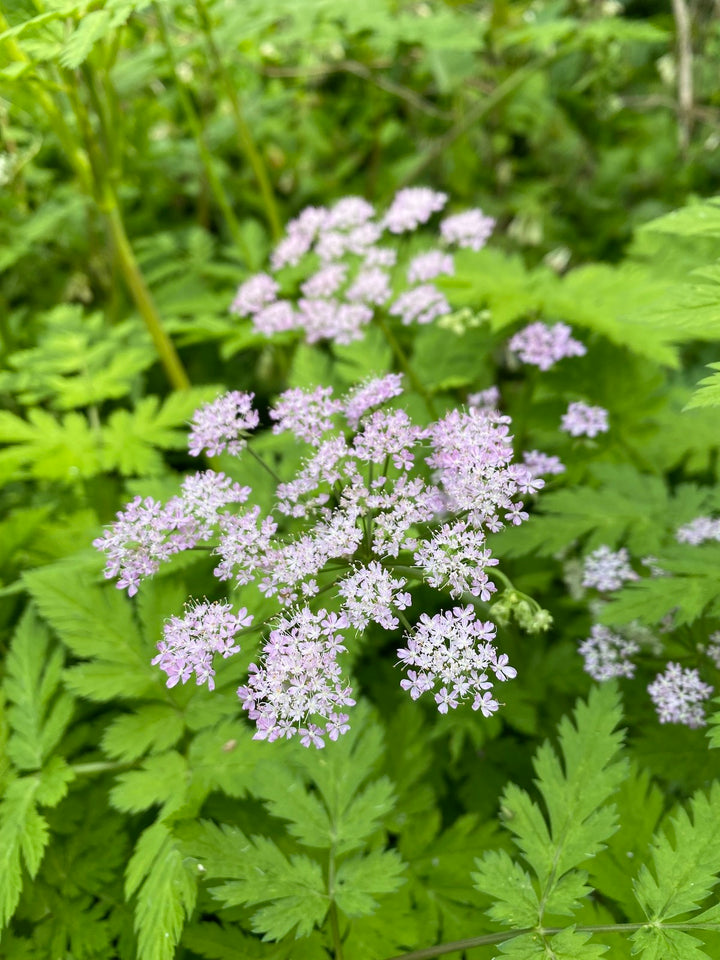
[(359, 878), (39, 713), (91, 28), (658, 943), (161, 779), (287, 797), (579, 817), (607, 514), (152, 728), (515, 901), (708, 394), (686, 861), (165, 893), (23, 837), (95, 622), (292, 888)]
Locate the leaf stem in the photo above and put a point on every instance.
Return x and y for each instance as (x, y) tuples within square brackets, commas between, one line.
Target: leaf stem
[(103, 190), (262, 463)]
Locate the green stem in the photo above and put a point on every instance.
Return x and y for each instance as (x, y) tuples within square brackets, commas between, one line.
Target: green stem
[(141, 294), (245, 138), (490, 938), (101, 187), (80, 769), (196, 128), (264, 465), (402, 359)]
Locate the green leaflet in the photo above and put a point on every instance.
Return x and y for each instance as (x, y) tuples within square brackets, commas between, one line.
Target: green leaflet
[(359, 878), (72, 446), (39, 712), (257, 872), (689, 590), (36, 724), (708, 394), (578, 822), (165, 889), (685, 859)]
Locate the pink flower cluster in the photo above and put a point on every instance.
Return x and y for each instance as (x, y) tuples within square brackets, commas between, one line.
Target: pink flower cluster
[(678, 695), (582, 420), (543, 346), (375, 492), (607, 570), (190, 642), (349, 272), (608, 654), (298, 678), (453, 651)]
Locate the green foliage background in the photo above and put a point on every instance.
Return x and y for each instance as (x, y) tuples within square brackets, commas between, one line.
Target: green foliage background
[(149, 155)]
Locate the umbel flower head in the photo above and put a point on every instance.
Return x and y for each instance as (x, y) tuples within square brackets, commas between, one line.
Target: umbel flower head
[(378, 506), (350, 271)]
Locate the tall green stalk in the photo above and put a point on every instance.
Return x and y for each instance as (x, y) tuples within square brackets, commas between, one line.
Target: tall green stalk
[(196, 128), (103, 190), (245, 137)]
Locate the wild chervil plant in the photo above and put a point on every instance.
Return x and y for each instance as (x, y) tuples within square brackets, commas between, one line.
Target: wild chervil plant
[(389, 526), (362, 515)]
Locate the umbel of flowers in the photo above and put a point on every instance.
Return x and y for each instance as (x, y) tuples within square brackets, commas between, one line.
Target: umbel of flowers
[(378, 504), (352, 272)]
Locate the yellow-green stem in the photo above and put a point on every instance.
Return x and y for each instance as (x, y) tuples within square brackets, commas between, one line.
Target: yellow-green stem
[(141, 295), (103, 190), (245, 138)]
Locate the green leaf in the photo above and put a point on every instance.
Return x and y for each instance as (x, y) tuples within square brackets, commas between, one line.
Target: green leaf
[(91, 28), (686, 860), (292, 888), (95, 622), (339, 774), (152, 728), (515, 901), (359, 878), (160, 780), (606, 514), (39, 713), (23, 837), (709, 393), (689, 590), (698, 219), (579, 818), (166, 891)]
